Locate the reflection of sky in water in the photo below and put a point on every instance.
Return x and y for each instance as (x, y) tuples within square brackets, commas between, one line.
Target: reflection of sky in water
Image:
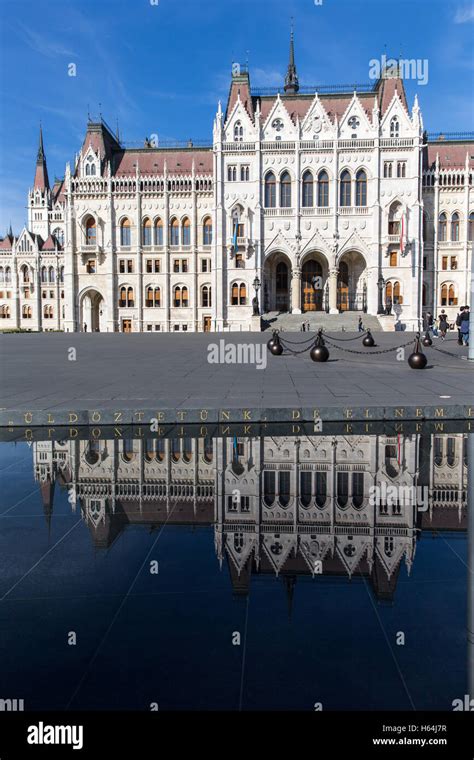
[(233, 564)]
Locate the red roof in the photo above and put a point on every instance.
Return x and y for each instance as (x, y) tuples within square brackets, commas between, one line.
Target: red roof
[(452, 155), (151, 161), (6, 243), (51, 244)]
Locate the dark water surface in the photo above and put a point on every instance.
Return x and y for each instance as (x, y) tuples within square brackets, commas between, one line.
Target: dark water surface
[(274, 540)]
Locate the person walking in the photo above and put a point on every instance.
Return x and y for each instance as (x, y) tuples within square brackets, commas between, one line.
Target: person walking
[(458, 324), (361, 326), (443, 324), (303, 326), (464, 326)]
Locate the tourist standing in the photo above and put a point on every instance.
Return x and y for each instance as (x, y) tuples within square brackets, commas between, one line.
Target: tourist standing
[(361, 326), (458, 324), (443, 324)]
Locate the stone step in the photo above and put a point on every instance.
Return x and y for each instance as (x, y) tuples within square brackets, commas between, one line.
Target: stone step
[(347, 321)]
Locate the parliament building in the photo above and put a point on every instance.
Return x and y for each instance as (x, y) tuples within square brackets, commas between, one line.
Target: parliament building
[(331, 199)]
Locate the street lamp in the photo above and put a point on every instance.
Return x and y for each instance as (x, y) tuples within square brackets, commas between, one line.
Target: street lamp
[(380, 285), (256, 285)]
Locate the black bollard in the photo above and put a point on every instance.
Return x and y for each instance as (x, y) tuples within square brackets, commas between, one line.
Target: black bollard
[(427, 339), (319, 352), (272, 339), (368, 340), (417, 360), (274, 345)]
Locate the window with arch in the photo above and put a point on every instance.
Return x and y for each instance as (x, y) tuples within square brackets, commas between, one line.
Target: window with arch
[(394, 217), (285, 190), (455, 227), (158, 232), (186, 231), (207, 231), (451, 452), (470, 230), (270, 190), (284, 487), (125, 232), (448, 294), (269, 487), (305, 488), (25, 273), (231, 173), (357, 489), (206, 300), (27, 312), (51, 274), (345, 188), (126, 296), (181, 297), (59, 235), (91, 231), (44, 274), (442, 227), (307, 190), (394, 127), (153, 297), (146, 232), (48, 312), (238, 294), (208, 449), (361, 188), (244, 173), (238, 131), (5, 311), (321, 488), (342, 489), (90, 166), (323, 189), (393, 292), (174, 232)]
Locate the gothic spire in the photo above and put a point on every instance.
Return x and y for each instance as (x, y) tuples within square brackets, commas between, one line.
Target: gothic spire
[(41, 173), (291, 80)]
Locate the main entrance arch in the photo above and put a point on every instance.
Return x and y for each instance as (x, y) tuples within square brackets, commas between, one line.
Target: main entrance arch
[(277, 283), (314, 276), (92, 311), (351, 282)]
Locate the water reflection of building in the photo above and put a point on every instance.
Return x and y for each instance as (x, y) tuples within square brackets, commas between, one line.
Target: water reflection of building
[(279, 505)]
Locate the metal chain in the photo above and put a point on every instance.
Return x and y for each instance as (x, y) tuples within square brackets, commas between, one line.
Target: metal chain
[(344, 340), (382, 351), (448, 353), (297, 342)]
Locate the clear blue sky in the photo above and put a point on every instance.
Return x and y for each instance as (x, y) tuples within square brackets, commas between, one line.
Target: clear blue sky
[(162, 68)]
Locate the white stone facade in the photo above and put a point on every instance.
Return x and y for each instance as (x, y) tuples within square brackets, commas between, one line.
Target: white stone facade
[(328, 202)]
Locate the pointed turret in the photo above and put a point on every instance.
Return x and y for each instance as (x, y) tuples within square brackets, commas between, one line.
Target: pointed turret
[(41, 173), (291, 80)]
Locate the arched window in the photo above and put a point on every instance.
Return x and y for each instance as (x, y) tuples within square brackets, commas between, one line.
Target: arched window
[(323, 189), (284, 488), (361, 188), (5, 312), (27, 312), (270, 190), (146, 232), (308, 194), (125, 232), (184, 297), (238, 131), (61, 274), (59, 235), (455, 227), (152, 297), (345, 189), (305, 488), (321, 489), (207, 231), (122, 296), (342, 488), (8, 275), (130, 297), (91, 231), (90, 166), (44, 274), (442, 224), (52, 274), (174, 232), (206, 296), (357, 489), (394, 127), (157, 297), (448, 294), (180, 296), (470, 231), (208, 449), (149, 297), (186, 231), (158, 232), (48, 312), (285, 190), (238, 294), (269, 487), (2, 276), (25, 274)]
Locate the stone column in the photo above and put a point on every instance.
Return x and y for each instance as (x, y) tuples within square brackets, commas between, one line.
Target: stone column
[(333, 291), (296, 290)]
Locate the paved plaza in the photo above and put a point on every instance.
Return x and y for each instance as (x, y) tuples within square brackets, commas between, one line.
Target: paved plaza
[(79, 379)]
